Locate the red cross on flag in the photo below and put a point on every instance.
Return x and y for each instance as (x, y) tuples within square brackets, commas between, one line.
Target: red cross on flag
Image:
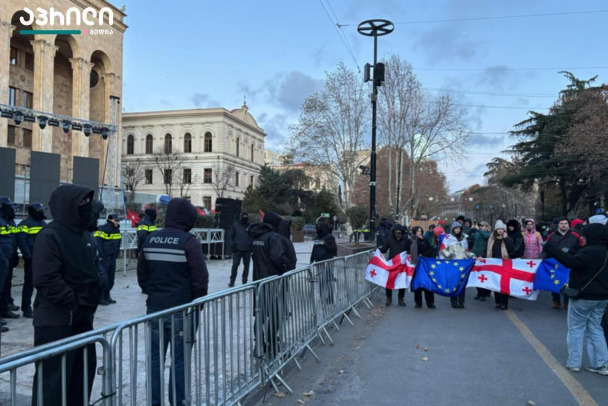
[(514, 277), (395, 273)]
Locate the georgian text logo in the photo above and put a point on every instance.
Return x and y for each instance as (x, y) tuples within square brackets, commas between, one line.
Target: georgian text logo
[(73, 16)]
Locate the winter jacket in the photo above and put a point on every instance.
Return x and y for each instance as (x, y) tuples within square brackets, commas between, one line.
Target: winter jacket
[(384, 232), (454, 247), (63, 263), (502, 248), (395, 246), (586, 262), (421, 248), (533, 243), (517, 238), (480, 242), (268, 251), (239, 237), (283, 228), (324, 247), (145, 227), (568, 242), (108, 241), (26, 235), (172, 269), (8, 244)]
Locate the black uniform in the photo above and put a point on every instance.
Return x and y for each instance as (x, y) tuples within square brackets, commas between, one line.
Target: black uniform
[(325, 248), (108, 245), (240, 242), (8, 256), (68, 289), (146, 226), (26, 236)]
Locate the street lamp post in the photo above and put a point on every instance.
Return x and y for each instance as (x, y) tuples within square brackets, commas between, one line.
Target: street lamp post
[(374, 28)]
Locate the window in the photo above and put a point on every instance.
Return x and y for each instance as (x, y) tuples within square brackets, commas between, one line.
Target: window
[(28, 100), (318, 183), (12, 96), (14, 56), (130, 145), (252, 153), (208, 176), (238, 142), (251, 181), (207, 202), (167, 176), (12, 135), (187, 175), (148, 176), (27, 138), (236, 179), (208, 143), (149, 144), (29, 61), (168, 144), (187, 143)]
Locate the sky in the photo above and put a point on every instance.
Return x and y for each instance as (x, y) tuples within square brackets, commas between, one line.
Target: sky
[(497, 59)]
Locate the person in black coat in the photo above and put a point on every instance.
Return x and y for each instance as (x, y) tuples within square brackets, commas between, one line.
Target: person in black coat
[(68, 289), (383, 233), (395, 245), (585, 314), (325, 248), (172, 270), (515, 234), (421, 248), (8, 259), (283, 228), (146, 226), (26, 236), (108, 245), (240, 242), (500, 246)]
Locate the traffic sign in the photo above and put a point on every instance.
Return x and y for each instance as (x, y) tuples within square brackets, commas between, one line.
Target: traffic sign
[(325, 215)]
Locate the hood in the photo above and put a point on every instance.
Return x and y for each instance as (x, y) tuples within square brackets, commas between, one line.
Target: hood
[(273, 219), (596, 234), (181, 214), (398, 227), (285, 229), (438, 231), (456, 224), (598, 219), (258, 229), (513, 223), (323, 229), (150, 214), (64, 205)]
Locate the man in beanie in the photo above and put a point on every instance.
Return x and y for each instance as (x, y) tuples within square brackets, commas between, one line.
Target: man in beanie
[(240, 242), (172, 270), (27, 232), (567, 241), (108, 245), (146, 226), (455, 246)]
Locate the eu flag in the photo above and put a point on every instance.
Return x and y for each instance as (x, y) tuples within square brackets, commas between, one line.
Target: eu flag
[(551, 276), (446, 277)]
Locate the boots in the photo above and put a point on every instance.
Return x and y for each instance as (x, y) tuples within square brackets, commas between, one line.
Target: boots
[(401, 302), (389, 300), (555, 305)]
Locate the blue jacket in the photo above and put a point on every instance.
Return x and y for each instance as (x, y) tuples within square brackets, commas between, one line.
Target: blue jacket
[(26, 235), (108, 240)]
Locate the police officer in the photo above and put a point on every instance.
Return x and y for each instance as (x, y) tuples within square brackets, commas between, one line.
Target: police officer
[(8, 257), (27, 231), (108, 245), (240, 241), (146, 226)]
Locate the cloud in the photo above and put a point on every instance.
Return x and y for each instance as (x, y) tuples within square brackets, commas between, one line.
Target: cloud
[(486, 140), (277, 129), (202, 100), (446, 42), (165, 102)]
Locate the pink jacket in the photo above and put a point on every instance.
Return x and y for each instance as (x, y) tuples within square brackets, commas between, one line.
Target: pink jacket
[(533, 244)]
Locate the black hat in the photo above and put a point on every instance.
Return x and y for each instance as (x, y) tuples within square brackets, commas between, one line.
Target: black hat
[(113, 217), (6, 200)]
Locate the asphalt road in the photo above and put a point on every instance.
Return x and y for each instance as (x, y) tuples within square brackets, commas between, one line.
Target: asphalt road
[(477, 355)]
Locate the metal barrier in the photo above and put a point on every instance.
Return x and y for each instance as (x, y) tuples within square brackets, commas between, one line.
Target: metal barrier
[(222, 346), (212, 340)]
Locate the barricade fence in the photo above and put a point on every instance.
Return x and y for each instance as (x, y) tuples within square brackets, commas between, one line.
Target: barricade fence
[(213, 351)]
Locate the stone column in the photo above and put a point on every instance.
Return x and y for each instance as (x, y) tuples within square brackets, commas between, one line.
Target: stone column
[(44, 62), (81, 76), (6, 32)]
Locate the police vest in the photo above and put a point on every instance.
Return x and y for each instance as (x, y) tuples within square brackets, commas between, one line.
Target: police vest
[(167, 271)]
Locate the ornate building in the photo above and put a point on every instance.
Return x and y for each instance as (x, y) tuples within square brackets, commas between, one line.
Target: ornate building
[(77, 75), (200, 154)]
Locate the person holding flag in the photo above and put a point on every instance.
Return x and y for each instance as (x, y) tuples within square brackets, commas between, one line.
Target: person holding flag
[(500, 246), (455, 246), (421, 248), (395, 245)]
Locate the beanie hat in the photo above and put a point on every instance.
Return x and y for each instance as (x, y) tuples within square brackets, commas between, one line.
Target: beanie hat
[(499, 224), (456, 224), (438, 231), (529, 221), (598, 219), (576, 222), (484, 224)]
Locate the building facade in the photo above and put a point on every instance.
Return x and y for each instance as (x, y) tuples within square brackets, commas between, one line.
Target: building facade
[(200, 154), (77, 75)]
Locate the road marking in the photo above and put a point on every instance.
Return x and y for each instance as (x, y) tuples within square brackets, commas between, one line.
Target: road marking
[(578, 391)]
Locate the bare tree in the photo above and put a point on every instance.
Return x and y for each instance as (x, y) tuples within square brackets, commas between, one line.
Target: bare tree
[(331, 130), (169, 163), (223, 177), (132, 175), (427, 127), (183, 179)]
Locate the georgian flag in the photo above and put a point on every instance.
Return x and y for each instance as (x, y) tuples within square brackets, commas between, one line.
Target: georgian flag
[(514, 277), (395, 273)]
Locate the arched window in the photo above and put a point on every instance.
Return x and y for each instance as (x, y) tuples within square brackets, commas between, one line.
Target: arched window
[(130, 145), (208, 147), (168, 144), (149, 144), (187, 143), (238, 146)]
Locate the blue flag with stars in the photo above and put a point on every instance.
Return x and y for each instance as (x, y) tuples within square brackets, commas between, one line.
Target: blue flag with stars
[(551, 276), (446, 277)]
